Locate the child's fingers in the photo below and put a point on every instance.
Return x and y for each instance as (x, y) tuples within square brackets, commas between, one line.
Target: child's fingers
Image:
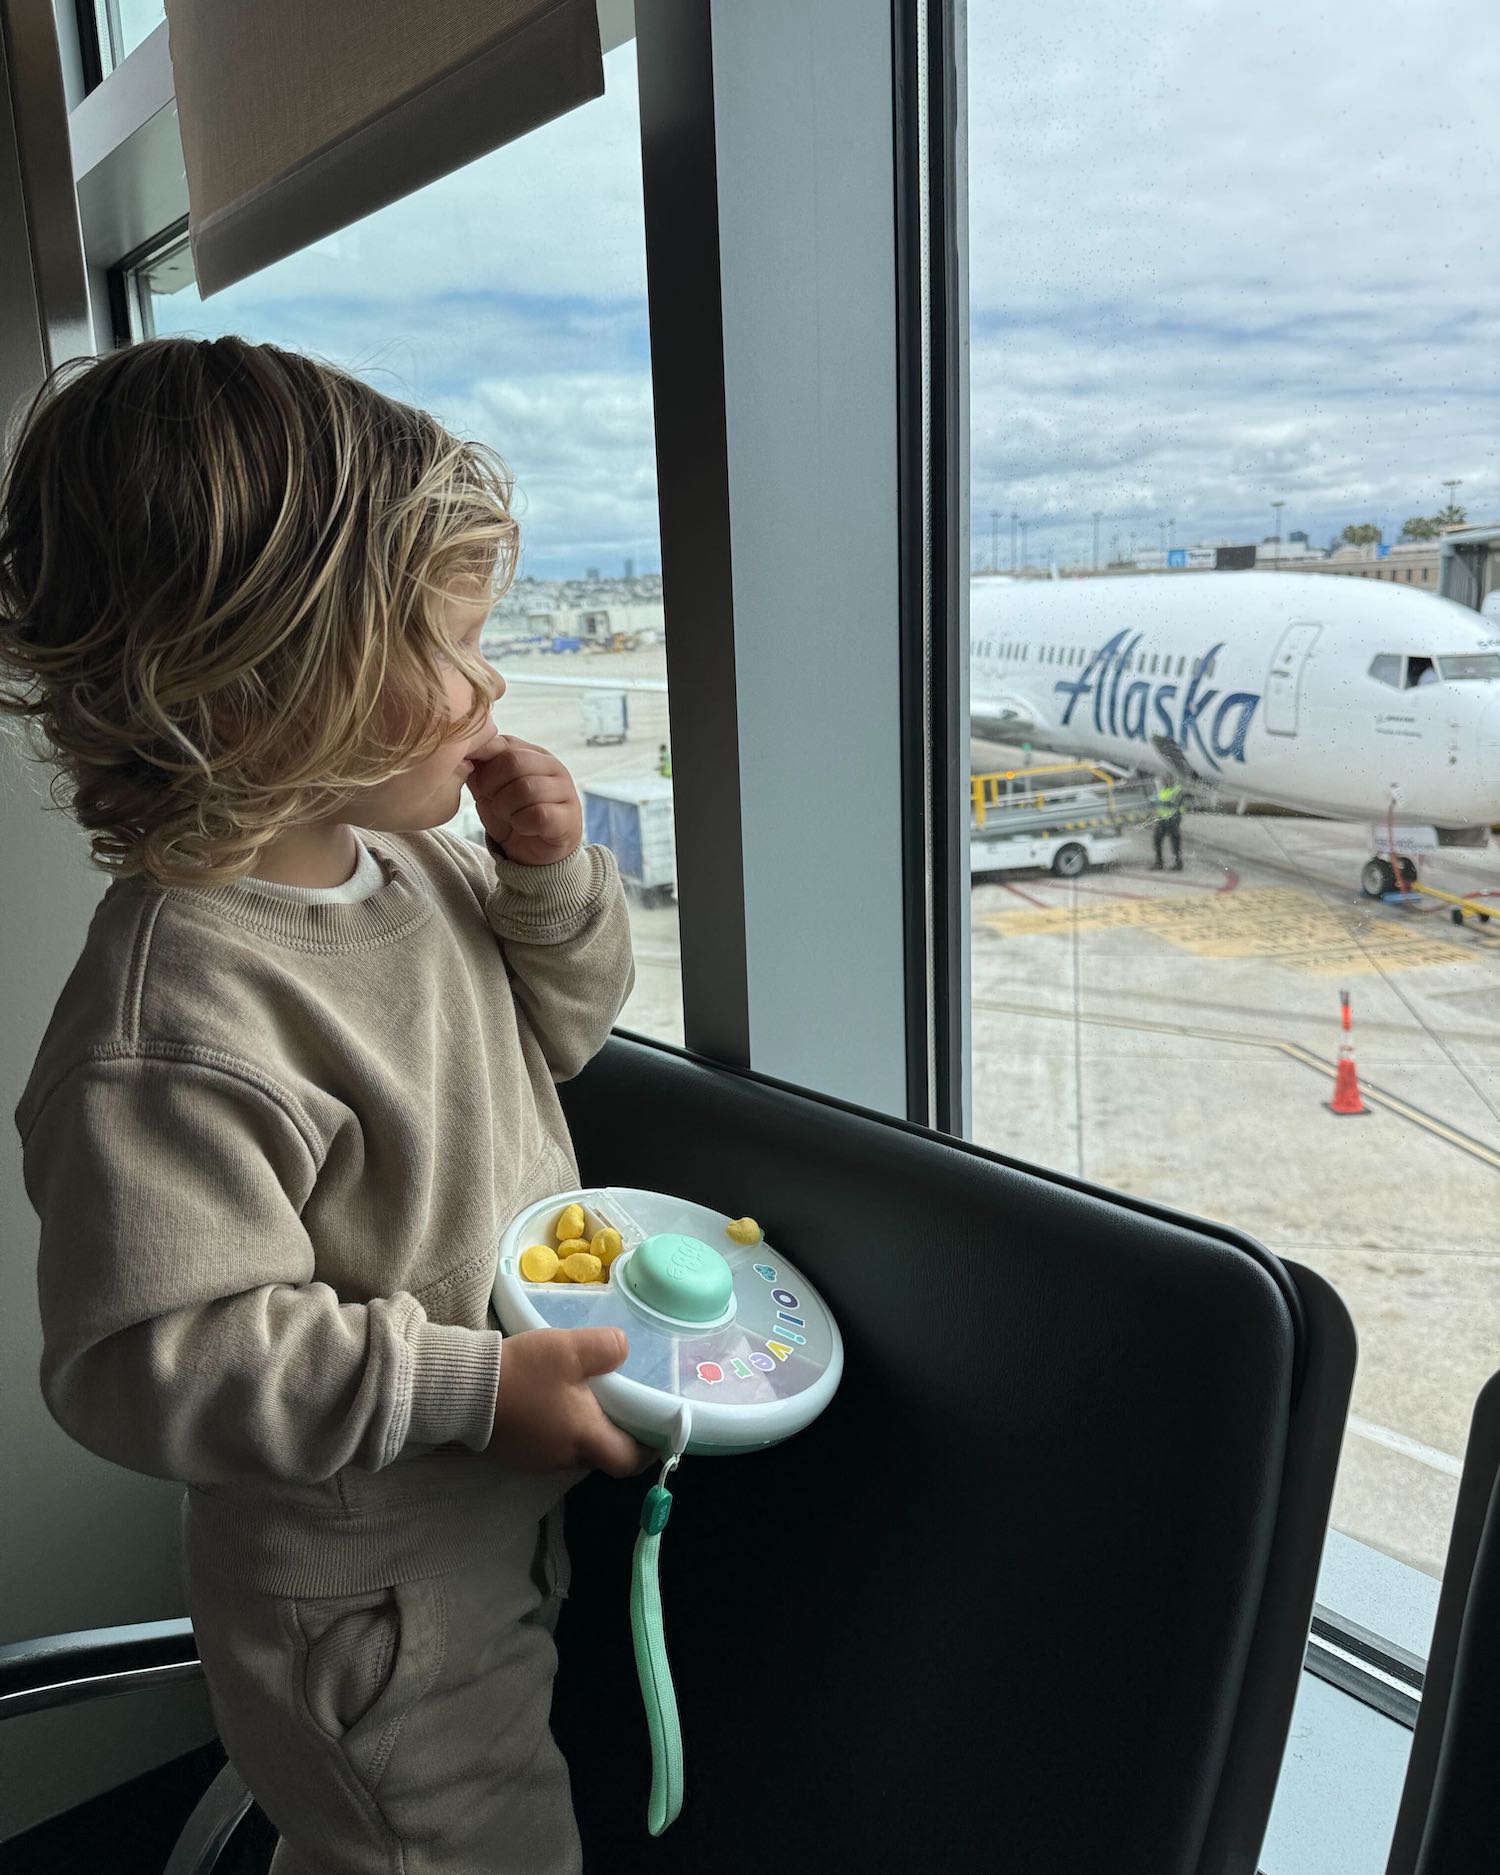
[(493, 745), (530, 791), (610, 1450), (549, 821), (592, 1351), (509, 768)]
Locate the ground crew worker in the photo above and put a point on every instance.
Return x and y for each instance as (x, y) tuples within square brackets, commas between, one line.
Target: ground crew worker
[(1168, 823), (664, 762)]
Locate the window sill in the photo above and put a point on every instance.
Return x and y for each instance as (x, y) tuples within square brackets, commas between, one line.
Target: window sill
[(1341, 1780)]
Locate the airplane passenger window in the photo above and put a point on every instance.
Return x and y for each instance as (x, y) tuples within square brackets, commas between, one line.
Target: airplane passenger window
[(464, 299), (1216, 405)]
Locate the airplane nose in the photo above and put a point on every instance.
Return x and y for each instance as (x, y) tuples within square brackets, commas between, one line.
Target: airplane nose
[(1489, 760)]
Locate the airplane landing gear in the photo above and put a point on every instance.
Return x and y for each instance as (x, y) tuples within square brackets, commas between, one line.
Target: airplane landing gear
[(1378, 876)]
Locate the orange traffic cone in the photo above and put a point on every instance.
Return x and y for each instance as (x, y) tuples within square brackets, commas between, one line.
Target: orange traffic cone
[(1346, 1094)]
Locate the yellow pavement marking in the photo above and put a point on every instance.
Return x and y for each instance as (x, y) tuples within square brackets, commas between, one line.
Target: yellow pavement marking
[(1376, 1096), (1278, 923)]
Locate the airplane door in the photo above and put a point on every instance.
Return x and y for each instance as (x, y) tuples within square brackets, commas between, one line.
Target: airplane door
[(1284, 679)]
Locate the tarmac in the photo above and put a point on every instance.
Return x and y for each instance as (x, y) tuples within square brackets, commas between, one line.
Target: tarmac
[(1174, 1035)]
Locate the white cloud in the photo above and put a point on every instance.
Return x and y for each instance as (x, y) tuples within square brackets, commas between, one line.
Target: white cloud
[(1218, 256), (1221, 255), (510, 299)]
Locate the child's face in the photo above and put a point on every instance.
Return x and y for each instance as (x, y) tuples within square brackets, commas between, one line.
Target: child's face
[(429, 794)]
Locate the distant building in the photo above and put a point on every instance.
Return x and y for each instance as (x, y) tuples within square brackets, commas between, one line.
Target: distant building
[(1408, 563), (593, 611)]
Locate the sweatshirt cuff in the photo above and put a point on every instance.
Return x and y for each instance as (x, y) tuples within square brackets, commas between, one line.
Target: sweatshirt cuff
[(548, 903), (455, 1378)]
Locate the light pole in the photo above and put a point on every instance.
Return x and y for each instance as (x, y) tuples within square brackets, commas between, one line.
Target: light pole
[(1456, 482), (1013, 520), (1276, 507), (1161, 535), (1171, 535), (1025, 559), (1098, 517), (994, 540)]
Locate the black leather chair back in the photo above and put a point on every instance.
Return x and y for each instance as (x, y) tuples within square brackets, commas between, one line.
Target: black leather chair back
[(1449, 1821), (1034, 1592)]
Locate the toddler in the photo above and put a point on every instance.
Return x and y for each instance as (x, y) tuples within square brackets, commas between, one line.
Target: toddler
[(304, 1073)]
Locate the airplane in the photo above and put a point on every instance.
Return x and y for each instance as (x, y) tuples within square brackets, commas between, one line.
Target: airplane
[(1349, 699)]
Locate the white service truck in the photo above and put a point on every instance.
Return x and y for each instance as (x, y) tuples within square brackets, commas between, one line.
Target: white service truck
[(1062, 817), (633, 818)]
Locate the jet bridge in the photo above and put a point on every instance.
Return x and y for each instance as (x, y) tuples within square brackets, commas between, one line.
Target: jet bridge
[(1469, 568)]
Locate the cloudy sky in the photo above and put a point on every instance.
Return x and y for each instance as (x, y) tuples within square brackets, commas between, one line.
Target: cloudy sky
[(1220, 256)]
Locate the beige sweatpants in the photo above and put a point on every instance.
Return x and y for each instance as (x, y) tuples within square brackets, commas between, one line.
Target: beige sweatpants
[(404, 1731)]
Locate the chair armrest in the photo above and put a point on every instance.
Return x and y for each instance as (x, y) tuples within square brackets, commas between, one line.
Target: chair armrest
[(96, 1663)]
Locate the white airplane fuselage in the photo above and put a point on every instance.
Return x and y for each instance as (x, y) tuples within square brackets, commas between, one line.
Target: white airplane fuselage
[(1262, 685)]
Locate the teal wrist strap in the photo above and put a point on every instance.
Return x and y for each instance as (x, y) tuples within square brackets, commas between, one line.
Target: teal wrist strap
[(651, 1657)]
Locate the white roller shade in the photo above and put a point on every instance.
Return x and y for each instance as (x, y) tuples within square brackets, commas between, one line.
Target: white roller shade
[(300, 116)]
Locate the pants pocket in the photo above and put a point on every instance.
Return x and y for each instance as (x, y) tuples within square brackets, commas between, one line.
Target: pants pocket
[(367, 1660), (552, 1569)]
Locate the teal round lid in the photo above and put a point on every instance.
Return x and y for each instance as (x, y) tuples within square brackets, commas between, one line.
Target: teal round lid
[(680, 1277)]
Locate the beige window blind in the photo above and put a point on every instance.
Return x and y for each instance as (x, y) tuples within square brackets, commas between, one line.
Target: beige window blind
[(300, 116)]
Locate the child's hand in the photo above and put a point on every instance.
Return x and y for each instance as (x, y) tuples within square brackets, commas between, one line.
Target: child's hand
[(526, 800), (546, 1416)]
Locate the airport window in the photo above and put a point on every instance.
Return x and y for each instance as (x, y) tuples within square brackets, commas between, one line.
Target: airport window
[(1149, 1030), (125, 24), (538, 347)]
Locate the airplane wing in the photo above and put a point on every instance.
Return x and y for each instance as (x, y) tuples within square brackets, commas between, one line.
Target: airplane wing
[(602, 682)]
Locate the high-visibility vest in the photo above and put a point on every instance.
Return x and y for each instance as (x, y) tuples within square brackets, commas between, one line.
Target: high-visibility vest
[(1168, 801)]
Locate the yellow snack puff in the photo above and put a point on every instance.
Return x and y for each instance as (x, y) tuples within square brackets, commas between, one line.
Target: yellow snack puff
[(607, 1245), (582, 1267), (745, 1230), (572, 1246), (570, 1223), (538, 1263)]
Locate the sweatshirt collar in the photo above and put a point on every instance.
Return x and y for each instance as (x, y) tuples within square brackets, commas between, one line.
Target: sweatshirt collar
[(397, 907)]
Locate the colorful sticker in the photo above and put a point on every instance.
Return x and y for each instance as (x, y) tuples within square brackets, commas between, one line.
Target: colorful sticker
[(710, 1373), (741, 1372), (763, 1362), (784, 1299), (764, 1271), (779, 1349)]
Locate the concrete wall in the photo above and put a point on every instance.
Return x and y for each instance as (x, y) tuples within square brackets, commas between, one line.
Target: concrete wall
[(82, 1544)]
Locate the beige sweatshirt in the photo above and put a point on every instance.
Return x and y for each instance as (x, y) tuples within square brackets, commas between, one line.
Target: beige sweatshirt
[(273, 1147)]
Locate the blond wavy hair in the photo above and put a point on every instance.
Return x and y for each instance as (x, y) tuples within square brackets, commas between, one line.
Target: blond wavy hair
[(222, 568)]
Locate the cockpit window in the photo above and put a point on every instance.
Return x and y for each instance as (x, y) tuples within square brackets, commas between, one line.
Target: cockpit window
[(1403, 673), (1471, 664), (1387, 668)]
